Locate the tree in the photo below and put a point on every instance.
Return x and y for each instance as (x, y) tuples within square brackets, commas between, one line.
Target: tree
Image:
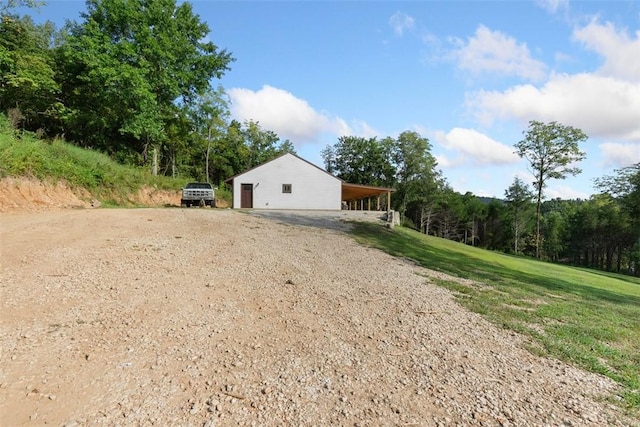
[(405, 163), (450, 213), (496, 236), (263, 145), (416, 173), (286, 146), (27, 74), (552, 150), (232, 153), (12, 4), (210, 117), (475, 212), (130, 67), (625, 184), (360, 160), (518, 198), (329, 158), (625, 187), (552, 229), (424, 210)]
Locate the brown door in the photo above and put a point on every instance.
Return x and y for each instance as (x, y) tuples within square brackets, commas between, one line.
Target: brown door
[(246, 196)]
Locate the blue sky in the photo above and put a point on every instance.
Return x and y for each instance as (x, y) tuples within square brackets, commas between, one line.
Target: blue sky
[(467, 75)]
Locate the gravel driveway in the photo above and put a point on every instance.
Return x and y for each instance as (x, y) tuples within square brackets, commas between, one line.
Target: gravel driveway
[(201, 317), (334, 220)]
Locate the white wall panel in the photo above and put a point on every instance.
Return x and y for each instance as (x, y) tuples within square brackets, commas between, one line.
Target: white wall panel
[(311, 187)]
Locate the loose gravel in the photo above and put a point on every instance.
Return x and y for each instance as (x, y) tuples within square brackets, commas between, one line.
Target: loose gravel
[(202, 317)]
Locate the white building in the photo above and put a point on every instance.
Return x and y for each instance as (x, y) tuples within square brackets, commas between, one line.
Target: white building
[(290, 182)]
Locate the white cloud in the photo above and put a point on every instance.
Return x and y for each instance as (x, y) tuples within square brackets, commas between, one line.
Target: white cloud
[(475, 148), (600, 106), (619, 155), (363, 129), (526, 176), (401, 22), (483, 193), (564, 192), (552, 191), (604, 104), (494, 52), (553, 6), (620, 52), (444, 161), (291, 118), (481, 183)]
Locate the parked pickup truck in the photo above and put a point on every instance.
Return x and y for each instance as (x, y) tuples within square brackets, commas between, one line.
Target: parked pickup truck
[(199, 194)]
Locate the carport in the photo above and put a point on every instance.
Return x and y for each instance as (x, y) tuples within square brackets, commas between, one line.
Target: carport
[(359, 197)]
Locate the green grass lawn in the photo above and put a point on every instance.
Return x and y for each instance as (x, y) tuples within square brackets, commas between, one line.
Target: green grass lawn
[(588, 318)]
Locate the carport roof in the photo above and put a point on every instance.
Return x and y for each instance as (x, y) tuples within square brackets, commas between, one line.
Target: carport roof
[(357, 191)]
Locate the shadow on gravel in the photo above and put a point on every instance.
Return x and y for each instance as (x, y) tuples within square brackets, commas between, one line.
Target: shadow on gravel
[(332, 220)]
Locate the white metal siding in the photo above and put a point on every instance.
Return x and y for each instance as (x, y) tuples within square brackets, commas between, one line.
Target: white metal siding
[(311, 188)]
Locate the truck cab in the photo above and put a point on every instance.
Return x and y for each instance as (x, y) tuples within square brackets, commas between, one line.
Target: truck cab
[(198, 194)]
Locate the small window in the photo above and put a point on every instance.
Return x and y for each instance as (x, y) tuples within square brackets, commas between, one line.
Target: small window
[(286, 188)]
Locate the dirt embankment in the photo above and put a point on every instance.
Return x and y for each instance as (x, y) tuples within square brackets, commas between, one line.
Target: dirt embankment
[(31, 195)]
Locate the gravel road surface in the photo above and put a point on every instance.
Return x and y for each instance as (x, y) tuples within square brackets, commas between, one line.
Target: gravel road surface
[(203, 317)]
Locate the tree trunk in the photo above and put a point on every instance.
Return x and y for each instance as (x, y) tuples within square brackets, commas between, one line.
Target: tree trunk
[(538, 209), (154, 168), (173, 165), (207, 154), (539, 186), (426, 214), (516, 236)]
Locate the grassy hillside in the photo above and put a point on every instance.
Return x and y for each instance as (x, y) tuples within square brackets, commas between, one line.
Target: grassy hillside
[(585, 317), (24, 155)]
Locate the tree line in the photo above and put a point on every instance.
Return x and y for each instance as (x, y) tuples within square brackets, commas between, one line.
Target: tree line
[(602, 232), (134, 79)]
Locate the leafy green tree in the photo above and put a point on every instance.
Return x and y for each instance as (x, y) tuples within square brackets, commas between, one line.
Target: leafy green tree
[(351, 159), (424, 210), (496, 234), (450, 215), (263, 145), (8, 5), (360, 160), (234, 150), (177, 149), (613, 232), (624, 185), (405, 163), (553, 224), (552, 150), (416, 174), (474, 214), (286, 146), (581, 227), (518, 198), (210, 118), (600, 228), (129, 66), (329, 158), (27, 76)]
